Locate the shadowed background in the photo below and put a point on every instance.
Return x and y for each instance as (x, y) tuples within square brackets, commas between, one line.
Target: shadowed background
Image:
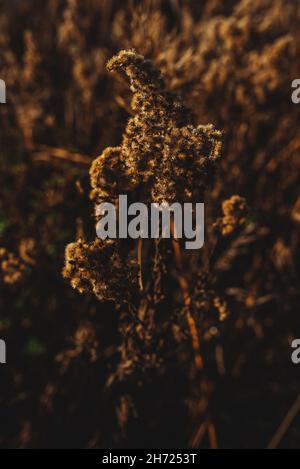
[(233, 63)]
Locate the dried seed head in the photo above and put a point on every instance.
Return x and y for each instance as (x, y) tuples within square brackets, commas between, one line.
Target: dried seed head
[(11, 267), (235, 211), (162, 158), (99, 267)]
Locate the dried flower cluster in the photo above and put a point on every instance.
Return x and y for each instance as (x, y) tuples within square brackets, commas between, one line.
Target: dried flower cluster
[(98, 266), (11, 267), (162, 158), (234, 214)]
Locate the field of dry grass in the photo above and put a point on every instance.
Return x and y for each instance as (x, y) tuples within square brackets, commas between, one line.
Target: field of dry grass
[(128, 344)]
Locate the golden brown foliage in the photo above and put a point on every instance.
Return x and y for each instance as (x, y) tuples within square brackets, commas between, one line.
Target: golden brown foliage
[(168, 369)]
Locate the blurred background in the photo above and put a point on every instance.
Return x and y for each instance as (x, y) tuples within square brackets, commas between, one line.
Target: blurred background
[(233, 63)]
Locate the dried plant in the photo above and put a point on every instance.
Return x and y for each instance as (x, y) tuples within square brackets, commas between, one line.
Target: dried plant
[(162, 158), (11, 267), (179, 340)]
